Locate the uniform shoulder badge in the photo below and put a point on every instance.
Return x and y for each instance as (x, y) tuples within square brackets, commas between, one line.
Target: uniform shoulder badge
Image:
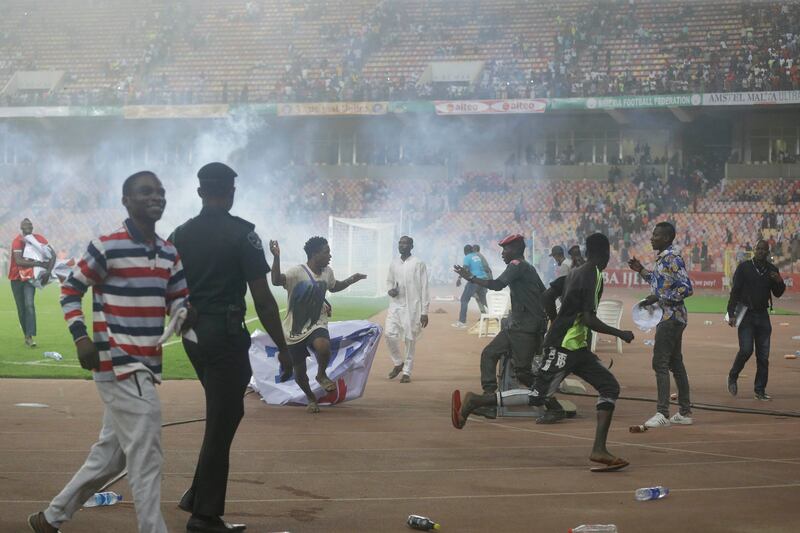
[(255, 240)]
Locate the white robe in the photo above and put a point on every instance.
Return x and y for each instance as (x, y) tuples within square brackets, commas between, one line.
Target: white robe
[(410, 277)]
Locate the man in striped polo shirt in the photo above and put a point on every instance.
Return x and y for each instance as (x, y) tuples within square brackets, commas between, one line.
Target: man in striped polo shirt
[(136, 279)]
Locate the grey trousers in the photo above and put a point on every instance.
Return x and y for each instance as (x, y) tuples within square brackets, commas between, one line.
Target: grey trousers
[(24, 294), (522, 345), (131, 436), (668, 357)]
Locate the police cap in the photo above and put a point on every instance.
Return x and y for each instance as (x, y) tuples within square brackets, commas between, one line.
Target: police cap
[(216, 176)]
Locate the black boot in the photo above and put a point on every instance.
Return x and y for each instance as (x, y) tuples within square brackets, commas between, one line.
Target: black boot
[(553, 413), (486, 402)]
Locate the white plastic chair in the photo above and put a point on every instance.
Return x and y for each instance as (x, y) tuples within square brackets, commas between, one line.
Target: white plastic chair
[(609, 312), (497, 307)]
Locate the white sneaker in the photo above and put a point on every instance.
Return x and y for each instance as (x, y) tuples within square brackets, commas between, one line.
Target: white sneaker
[(657, 421), (678, 418), (459, 325)]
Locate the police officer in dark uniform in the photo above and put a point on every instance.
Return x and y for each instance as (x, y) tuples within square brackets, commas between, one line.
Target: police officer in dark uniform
[(523, 337), (222, 255)]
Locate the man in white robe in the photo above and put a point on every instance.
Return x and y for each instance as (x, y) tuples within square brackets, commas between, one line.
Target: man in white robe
[(407, 285)]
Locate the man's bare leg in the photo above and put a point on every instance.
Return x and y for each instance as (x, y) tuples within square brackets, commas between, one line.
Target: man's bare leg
[(322, 351), (301, 378), (600, 453)]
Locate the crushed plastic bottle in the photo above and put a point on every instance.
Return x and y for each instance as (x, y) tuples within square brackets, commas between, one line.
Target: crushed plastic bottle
[(649, 342), (651, 493), (54, 355), (422, 523), (103, 498), (594, 528)]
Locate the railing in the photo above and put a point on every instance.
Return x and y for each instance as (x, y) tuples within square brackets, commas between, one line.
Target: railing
[(744, 171)]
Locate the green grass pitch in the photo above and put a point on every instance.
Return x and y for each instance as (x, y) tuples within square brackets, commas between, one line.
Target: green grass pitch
[(20, 361)]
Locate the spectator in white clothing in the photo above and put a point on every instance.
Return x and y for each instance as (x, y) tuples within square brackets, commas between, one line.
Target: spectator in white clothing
[(407, 315)]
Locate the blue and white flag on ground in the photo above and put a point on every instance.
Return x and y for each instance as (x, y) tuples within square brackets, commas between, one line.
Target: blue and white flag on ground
[(353, 347)]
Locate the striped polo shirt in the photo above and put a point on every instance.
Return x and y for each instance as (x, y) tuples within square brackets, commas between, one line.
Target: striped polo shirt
[(134, 285)]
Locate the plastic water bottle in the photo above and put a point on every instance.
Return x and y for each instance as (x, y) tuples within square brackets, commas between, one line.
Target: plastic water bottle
[(651, 493), (594, 528), (54, 355), (649, 342), (103, 498), (422, 523)]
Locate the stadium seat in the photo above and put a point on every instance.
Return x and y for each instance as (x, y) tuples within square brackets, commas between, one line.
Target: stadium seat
[(610, 313), (498, 304)]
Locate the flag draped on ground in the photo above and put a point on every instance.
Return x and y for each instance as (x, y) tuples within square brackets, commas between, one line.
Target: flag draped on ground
[(353, 347)]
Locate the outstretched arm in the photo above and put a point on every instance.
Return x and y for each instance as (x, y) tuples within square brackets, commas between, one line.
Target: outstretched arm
[(595, 324), (340, 285), (590, 315), (278, 279), (492, 284)]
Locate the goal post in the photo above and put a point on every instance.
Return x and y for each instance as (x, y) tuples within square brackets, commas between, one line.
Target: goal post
[(363, 245)]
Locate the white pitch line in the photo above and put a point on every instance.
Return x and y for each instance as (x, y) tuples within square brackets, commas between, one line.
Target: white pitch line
[(509, 495), (39, 363), (650, 446), (401, 471), (453, 450), (466, 496)]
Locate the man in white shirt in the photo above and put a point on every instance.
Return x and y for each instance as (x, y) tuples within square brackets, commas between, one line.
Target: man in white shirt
[(408, 309), (306, 322)]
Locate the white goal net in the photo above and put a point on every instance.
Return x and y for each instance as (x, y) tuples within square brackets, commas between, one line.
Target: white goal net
[(363, 245)]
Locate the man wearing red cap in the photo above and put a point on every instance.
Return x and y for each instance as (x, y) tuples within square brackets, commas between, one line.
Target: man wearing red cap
[(567, 352), (523, 336)]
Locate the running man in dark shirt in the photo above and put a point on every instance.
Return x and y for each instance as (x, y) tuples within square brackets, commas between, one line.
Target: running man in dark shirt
[(526, 326), (567, 352)]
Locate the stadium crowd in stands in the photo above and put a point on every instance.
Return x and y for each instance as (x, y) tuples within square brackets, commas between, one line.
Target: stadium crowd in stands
[(724, 217), (180, 52)]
